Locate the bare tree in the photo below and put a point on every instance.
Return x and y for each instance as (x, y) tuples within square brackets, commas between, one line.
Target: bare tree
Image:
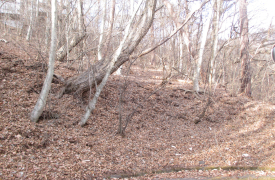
[(245, 74), (40, 104)]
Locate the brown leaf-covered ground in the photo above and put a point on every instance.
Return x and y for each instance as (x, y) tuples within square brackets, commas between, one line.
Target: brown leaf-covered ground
[(235, 136)]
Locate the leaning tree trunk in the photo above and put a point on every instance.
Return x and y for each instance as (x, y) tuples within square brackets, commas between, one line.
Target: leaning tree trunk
[(96, 73), (62, 52)]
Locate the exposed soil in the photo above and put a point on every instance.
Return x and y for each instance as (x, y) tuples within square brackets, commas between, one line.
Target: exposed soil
[(235, 136)]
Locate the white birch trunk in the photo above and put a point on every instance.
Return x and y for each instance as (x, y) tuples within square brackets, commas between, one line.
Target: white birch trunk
[(41, 102)]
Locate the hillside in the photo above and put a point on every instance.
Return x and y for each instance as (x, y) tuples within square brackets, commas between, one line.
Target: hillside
[(236, 134)]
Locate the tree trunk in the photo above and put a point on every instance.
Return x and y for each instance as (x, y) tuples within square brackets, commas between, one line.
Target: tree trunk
[(181, 51), (153, 55), (29, 33), (96, 73), (22, 17), (102, 25), (245, 74), (202, 46), (112, 17), (81, 30), (215, 37), (61, 53), (186, 38), (38, 109)]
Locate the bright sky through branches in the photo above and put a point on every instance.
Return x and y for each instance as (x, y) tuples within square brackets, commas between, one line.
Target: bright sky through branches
[(261, 13)]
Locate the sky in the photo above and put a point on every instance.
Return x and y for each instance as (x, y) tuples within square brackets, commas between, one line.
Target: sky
[(261, 13)]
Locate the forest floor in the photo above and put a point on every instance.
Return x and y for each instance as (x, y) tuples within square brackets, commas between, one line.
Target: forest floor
[(236, 136)]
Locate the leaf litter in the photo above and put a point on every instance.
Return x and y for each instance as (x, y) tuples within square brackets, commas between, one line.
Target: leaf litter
[(235, 136)]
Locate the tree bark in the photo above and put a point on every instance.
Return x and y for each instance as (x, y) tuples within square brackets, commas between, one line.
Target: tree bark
[(40, 104), (245, 74)]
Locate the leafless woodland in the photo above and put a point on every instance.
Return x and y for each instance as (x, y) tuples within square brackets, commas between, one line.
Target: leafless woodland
[(87, 50), (171, 40)]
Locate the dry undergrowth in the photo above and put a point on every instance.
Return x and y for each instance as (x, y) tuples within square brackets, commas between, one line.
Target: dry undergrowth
[(161, 136)]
